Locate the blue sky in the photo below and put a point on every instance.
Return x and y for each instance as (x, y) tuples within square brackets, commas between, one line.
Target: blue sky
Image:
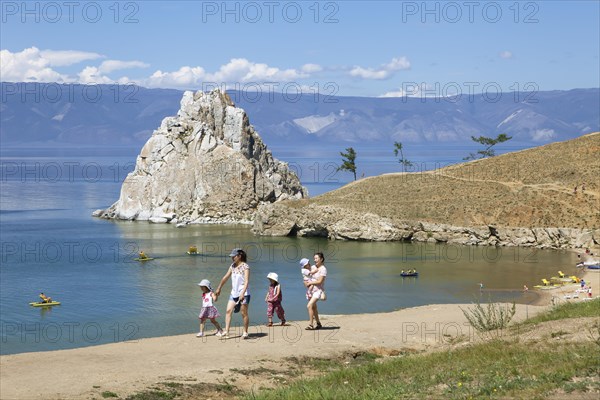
[(353, 48)]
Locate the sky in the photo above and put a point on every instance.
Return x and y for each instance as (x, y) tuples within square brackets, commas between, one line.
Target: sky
[(348, 48)]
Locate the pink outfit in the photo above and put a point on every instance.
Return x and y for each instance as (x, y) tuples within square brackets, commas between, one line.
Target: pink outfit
[(209, 311), (321, 271), (307, 277), (274, 303)]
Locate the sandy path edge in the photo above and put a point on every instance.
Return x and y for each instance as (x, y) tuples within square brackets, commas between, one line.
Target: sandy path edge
[(129, 367)]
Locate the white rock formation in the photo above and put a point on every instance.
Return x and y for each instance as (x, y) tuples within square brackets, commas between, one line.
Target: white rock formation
[(207, 164)]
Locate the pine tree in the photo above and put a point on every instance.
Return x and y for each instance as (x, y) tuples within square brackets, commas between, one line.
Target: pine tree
[(489, 142), (348, 161)]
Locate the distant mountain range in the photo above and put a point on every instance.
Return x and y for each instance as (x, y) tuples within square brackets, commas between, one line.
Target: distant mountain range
[(111, 115)]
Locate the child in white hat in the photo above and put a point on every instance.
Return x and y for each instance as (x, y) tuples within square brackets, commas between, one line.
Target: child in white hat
[(273, 299), (307, 276), (209, 311)]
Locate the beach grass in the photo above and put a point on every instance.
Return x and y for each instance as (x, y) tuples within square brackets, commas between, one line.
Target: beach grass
[(495, 369), (499, 368), (589, 308)]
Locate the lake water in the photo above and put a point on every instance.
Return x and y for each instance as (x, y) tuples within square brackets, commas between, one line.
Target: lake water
[(51, 244)]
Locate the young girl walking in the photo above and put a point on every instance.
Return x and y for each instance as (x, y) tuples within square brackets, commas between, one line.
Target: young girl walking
[(209, 311), (273, 299)]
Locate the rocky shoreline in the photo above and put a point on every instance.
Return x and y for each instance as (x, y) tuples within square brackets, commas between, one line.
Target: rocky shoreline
[(342, 224)]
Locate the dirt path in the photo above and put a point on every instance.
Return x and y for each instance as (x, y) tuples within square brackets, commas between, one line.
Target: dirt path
[(519, 185)]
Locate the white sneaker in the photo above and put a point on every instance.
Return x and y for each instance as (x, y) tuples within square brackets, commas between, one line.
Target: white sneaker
[(219, 333), (199, 334), (245, 335)]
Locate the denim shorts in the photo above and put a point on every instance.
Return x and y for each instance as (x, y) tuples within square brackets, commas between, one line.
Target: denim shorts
[(246, 299)]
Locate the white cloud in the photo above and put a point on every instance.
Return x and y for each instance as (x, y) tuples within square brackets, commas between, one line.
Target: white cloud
[(92, 75), (384, 71), (186, 77), (541, 135), (412, 89), (398, 93), (114, 65), (237, 70), (507, 55), (61, 58), (311, 68), (242, 70), (397, 64), (97, 75), (28, 66), (34, 65)]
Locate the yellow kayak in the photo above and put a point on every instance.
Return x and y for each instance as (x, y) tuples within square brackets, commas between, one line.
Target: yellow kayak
[(38, 304), (143, 259), (542, 287)]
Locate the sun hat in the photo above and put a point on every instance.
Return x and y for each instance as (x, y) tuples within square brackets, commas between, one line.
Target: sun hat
[(303, 262), (273, 276), (205, 283), (234, 252)]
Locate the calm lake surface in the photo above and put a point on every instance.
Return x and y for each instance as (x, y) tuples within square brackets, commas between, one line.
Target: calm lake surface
[(51, 244)]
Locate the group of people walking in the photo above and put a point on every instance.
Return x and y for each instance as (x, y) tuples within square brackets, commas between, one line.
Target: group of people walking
[(313, 277)]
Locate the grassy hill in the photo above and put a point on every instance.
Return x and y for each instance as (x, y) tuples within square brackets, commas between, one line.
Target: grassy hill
[(529, 188)]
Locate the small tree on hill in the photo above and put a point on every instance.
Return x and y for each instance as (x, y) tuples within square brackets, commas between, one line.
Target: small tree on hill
[(489, 143), (398, 149), (348, 161)]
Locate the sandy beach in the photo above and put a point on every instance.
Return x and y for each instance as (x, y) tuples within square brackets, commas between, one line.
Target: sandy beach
[(129, 367)]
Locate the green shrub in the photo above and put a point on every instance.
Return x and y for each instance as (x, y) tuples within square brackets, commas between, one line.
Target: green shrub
[(492, 318)]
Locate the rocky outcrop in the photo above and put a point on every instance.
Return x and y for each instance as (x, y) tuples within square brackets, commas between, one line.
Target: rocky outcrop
[(344, 224), (207, 164)]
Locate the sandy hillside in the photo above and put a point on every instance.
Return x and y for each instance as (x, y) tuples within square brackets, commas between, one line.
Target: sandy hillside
[(529, 188)]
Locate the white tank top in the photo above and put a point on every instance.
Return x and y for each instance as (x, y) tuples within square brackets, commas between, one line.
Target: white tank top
[(238, 280), (206, 299)]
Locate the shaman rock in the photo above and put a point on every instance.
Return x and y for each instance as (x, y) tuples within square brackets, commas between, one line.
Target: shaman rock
[(207, 164)]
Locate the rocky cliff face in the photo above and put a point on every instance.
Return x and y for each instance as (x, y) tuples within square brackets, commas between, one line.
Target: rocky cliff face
[(207, 164), (344, 224)]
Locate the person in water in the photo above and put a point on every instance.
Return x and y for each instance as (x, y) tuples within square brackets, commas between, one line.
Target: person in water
[(45, 299), (142, 255)]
